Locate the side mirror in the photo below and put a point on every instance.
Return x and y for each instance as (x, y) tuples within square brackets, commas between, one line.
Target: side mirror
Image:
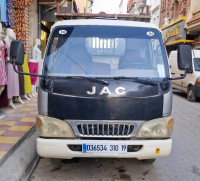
[(17, 52), (185, 58)]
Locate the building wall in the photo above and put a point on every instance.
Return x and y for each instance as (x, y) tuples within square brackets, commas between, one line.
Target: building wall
[(192, 25), (33, 26), (155, 12), (172, 10), (194, 7), (123, 7), (141, 7), (131, 4), (82, 5)]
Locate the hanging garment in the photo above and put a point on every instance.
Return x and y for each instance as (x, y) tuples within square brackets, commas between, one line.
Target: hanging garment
[(4, 98), (21, 81), (27, 79), (37, 55), (20, 3), (12, 76), (20, 31), (13, 81), (33, 67), (3, 76), (9, 17), (3, 10), (19, 21)]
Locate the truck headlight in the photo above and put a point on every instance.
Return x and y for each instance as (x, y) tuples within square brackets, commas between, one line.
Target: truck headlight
[(156, 128), (51, 127)]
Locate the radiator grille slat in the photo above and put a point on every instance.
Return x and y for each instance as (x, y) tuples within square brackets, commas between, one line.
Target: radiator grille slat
[(128, 129), (97, 129), (123, 130), (106, 130), (92, 129), (118, 130), (87, 129), (82, 129)]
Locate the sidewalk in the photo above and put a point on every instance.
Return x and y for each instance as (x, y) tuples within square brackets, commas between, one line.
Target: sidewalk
[(15, 125)]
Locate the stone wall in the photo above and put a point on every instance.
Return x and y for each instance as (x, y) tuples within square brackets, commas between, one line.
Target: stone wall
[(33, 26), (172, 10)]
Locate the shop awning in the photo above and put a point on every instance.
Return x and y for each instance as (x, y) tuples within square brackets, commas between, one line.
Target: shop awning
[(180, 42)]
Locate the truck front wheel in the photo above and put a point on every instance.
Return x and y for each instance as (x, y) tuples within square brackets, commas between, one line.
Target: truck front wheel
[(190, 94)]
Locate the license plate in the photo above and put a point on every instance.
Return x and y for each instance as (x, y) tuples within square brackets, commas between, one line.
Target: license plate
[(104, 148)]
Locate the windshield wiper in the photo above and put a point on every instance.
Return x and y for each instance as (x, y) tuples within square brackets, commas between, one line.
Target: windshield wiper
[(138, 80), (91, 79)]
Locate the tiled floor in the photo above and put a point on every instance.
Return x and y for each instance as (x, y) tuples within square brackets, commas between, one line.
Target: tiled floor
[(16, 124)]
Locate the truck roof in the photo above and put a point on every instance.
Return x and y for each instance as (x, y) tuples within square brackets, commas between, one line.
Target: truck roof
[(104, 22)]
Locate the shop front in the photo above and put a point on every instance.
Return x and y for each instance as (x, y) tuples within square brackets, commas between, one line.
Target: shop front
[(174, 34), (15, 24), (193, 27), (47, 16), (29, 21)]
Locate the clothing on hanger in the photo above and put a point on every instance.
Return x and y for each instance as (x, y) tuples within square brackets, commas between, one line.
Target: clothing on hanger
[(9, 17), (3, 10)]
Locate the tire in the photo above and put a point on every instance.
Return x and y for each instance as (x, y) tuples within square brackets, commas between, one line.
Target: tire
[(149, 161), (190, 94)]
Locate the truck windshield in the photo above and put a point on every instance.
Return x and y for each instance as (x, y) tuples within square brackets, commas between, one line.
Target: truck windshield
[(197, 64), (106, 51)]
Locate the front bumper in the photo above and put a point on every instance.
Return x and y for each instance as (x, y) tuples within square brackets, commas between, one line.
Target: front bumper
[(197, 90), (58, 148)]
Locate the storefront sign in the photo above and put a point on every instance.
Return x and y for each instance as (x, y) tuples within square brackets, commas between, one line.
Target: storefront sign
[(174, 32)]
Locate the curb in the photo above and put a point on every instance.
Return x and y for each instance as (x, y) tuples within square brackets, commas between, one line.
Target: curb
[(28, 134), (30, 168), (20, 162)]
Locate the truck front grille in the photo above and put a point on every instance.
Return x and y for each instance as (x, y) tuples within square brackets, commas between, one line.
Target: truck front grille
[(104, 129)]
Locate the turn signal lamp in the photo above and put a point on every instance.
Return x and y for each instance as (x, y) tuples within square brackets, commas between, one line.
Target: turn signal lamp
[(38, 122), (198, 80)]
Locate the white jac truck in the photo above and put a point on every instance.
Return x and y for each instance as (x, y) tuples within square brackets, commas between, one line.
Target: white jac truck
[(105, 90), (191, 83)]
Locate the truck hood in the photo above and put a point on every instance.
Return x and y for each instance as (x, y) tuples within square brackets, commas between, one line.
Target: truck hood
[(70, 100)]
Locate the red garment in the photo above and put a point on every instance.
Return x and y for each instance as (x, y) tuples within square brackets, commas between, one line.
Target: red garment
[(33, 67), (4, 98), (3, 76)]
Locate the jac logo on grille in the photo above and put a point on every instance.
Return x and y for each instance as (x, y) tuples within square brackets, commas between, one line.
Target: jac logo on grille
[(106, 91)]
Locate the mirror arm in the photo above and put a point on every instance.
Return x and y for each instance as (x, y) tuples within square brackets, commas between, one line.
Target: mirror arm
[(37, 75), (177, 78)]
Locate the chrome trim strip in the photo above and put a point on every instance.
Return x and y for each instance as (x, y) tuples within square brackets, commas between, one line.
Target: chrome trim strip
[(42, 101), (167, 103), (102, 97)]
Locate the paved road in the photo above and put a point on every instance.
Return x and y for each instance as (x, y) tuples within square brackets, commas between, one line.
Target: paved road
[(182, 165)]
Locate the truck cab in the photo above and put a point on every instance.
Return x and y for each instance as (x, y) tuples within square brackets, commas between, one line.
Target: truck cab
[(104, 91)]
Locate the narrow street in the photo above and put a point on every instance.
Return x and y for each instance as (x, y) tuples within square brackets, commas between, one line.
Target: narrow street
[(182, 165)]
